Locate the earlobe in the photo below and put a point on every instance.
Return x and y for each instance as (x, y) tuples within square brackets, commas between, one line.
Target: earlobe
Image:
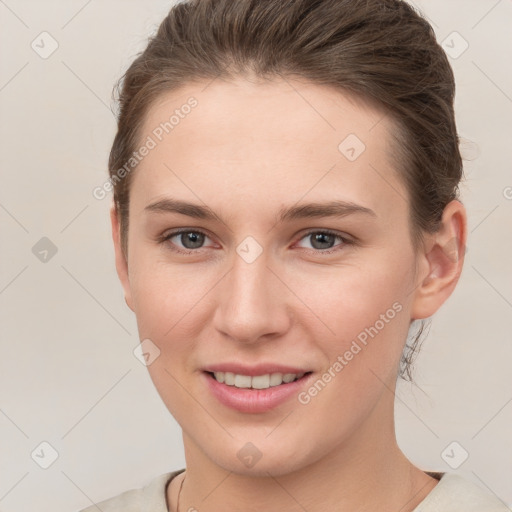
[(443, 261), (120, 258)]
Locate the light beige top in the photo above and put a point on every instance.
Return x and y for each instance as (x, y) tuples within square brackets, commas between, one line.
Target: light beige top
[(451, 494)]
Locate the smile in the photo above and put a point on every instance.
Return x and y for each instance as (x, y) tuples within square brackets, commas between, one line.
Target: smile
[(255, 382), (255, 393)]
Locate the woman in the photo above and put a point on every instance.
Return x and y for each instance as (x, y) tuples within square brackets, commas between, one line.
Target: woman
[(285, 207)]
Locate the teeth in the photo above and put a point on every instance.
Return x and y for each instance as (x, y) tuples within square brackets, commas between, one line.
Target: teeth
[(276, 379), (242, 381), (261, 381), (258, 382), (219, 376)]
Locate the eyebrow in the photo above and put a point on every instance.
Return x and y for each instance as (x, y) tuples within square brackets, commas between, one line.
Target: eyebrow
[(302, 211)]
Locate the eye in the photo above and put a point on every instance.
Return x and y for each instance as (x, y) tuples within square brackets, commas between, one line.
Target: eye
[(323, 240), (189, 241), (188, 238)]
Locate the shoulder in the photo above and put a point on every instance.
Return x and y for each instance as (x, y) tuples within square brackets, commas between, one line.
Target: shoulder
[(456, 494), (150, 497)]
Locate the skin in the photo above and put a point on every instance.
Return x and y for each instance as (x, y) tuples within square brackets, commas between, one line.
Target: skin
[(246, 151)]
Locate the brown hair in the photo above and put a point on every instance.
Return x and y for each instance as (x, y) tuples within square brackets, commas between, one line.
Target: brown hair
[(379, 50)]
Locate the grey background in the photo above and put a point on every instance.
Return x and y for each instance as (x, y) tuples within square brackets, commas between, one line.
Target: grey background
[(68, 375)]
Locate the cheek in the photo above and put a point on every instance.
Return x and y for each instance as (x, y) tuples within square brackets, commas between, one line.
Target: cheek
[(168, 306), (164, 295), (366, 309), (351, 298), (172, 301), (368, 313)]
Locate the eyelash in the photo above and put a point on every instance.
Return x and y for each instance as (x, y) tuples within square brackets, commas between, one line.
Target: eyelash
[(345, 240)]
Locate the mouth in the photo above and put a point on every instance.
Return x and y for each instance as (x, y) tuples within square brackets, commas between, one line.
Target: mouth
[(255, 393), (265, 381)]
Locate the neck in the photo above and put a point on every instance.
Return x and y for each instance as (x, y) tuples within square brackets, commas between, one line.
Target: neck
[(364, 473)]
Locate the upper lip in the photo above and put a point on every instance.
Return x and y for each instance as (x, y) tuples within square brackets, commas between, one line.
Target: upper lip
[(253, 370)]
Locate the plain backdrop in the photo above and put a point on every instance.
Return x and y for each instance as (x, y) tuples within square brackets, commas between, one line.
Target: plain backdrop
[(68, 375)]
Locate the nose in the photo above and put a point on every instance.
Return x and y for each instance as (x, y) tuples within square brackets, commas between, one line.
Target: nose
[(252, 302)]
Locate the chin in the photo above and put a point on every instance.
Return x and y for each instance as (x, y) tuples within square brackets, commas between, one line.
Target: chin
[(261, 456)]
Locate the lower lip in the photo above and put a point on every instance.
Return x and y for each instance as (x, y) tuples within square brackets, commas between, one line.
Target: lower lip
[(254, 400)]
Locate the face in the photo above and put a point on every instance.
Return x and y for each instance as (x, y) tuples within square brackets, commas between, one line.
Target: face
[(295, 257)]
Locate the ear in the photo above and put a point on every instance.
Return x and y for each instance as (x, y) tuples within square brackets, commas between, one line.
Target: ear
[(441, 261), (121, 262)]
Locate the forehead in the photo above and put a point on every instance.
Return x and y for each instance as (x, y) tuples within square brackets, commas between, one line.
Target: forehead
[(286, 137), (257, 109)]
